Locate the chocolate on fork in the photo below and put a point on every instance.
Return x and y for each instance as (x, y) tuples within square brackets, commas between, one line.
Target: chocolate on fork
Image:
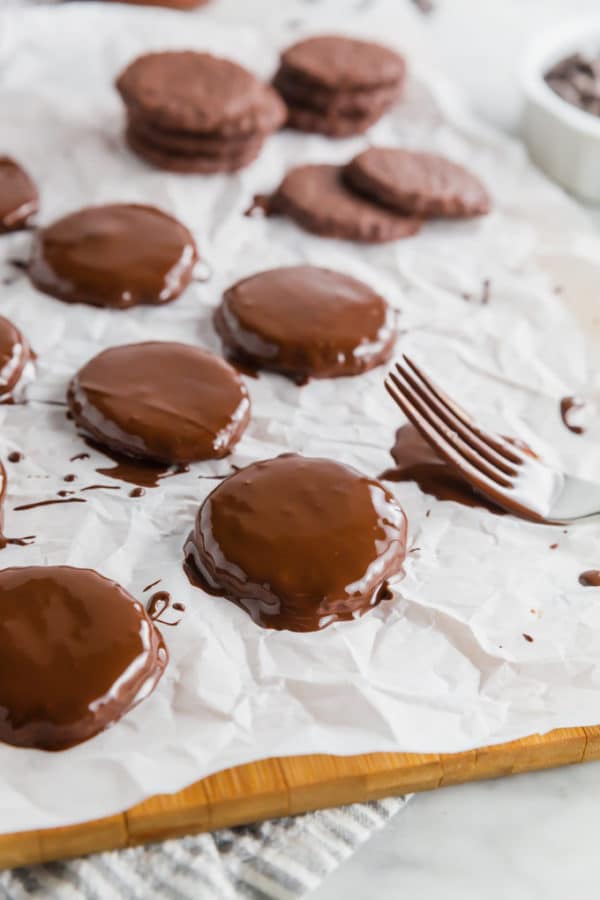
[(492, 465)]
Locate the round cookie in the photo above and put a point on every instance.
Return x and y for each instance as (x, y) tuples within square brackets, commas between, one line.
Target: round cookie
[(187, 164), (160, 400), (315, 197), (304, 321), (350, 102), (298, 543), (16, 362), (189, 144), (86, 653), (199, 92), (19, 199), (120, 255), (301, 118), (421, 184), (343, 63)]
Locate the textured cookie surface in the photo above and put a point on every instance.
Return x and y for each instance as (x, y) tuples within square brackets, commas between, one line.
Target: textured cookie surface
[(423, 184)]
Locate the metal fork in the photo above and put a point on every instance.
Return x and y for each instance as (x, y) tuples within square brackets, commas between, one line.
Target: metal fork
[(492, 465)]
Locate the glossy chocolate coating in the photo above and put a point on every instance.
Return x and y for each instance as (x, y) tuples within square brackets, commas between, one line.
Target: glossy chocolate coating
[(76, 653), (119, 255), (298, 543), (16, 361), (160, 400), (18, 196), (305, 321)]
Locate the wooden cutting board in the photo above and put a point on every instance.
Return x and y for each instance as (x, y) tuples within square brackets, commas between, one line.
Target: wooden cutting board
[(290, 785)]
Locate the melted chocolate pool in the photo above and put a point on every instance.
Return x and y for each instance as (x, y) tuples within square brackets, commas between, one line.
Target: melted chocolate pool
[(417, 461), (305, 321), (76, 653), (119, 256), (572, 412), (298, 543), (160, 401)]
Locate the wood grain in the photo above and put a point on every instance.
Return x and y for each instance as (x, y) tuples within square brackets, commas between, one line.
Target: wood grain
[(286, 786)]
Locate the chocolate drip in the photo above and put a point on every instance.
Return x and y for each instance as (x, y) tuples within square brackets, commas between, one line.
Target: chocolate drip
[(86, 640), (137, 492), (158, 605), (48, 503), (262, 205), (15, 456), (149, 586), (572, 412), (590, 578), (79, 456), (297, 543)]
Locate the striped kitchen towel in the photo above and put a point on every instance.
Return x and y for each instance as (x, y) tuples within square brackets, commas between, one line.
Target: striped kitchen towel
[(278, 860)]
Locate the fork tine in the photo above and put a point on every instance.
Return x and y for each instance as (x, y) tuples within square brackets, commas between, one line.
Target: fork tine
[(503, 497), (460, 449), (446, 451), (439, 404), (497, 443)]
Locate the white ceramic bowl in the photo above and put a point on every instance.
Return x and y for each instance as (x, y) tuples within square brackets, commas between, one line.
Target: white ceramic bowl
[(562, 139)]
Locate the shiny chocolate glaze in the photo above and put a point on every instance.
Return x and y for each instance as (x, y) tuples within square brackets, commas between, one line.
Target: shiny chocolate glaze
[(120, 255), (76, 653), (18, 196), (306, 321), (297, 542), (160, 400), (16, 362)]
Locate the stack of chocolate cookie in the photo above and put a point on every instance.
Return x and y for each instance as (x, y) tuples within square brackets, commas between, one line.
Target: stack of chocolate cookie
[(197, 113), (337, 85)]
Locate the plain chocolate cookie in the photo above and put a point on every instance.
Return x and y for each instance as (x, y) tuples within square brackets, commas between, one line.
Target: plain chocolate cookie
[(189, 163), (199, 92), (317, 199), (420, 184), (343, 63)]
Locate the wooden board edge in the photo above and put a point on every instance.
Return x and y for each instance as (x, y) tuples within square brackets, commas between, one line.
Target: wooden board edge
[(291, 785)]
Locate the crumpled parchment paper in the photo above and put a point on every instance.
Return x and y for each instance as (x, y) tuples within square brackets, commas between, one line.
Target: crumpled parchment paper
[(442, 667)]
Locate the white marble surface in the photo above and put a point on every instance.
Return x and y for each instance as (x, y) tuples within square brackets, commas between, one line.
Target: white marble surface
[(531, 836), (525, 838)]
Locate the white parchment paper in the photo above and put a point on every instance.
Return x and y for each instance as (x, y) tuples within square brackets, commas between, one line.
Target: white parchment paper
[(444, 666)]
